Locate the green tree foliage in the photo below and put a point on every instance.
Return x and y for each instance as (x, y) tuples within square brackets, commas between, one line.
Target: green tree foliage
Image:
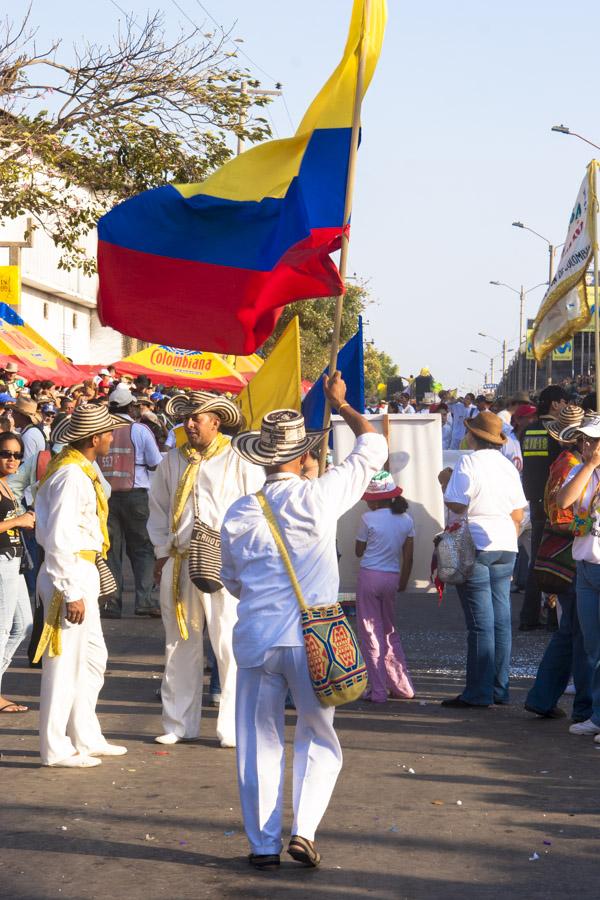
[(141, 112), (316, 327)]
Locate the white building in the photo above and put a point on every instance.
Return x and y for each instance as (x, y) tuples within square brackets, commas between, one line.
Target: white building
[(60, 304)]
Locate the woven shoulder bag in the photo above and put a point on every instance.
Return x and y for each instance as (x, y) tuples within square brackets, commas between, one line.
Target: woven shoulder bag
[(337, 669)]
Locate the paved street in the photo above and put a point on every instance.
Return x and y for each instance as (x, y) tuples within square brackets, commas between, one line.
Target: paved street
[(489, 789)]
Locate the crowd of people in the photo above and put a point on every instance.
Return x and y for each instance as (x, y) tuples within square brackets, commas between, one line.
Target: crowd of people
[(550, 488), (116, 467)]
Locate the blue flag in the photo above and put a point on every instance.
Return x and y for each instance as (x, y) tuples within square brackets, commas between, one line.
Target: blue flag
[(350, 363)]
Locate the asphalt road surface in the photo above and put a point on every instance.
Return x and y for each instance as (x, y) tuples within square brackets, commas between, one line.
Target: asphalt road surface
[(431, 803)]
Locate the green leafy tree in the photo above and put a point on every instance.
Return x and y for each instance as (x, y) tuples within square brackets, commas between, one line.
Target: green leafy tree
[(141, 112), (316, 327)]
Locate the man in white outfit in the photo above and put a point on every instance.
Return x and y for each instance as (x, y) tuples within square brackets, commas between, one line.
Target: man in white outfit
[(71, 525), (267, 640), (198, 481)]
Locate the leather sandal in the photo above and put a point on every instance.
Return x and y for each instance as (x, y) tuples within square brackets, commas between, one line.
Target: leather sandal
[(304, 851), (264, 861)]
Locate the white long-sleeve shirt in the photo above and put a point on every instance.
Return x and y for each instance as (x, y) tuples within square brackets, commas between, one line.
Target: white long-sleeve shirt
[(220, 481), (307, 513), (66, 522)]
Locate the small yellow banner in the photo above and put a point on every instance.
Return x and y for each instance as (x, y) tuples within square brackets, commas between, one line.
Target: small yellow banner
[(10, 285), (563, 352), (530, 353)]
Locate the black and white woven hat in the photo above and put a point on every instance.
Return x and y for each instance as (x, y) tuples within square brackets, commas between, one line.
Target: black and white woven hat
[(194, 402), (85, 421), (282, 437)]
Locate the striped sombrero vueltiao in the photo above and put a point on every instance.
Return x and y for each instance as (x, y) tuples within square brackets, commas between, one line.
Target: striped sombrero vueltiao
[(282, 438), (564, 428), (191, 404), (85, 421)]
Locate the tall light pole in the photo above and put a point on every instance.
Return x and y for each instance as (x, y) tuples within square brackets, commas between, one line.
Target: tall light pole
[(552, 248), (491, 359), (484, 374), (522, 294), (502, 344)]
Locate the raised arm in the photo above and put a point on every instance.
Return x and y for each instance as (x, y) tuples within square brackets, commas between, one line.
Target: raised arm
[(335, 391)]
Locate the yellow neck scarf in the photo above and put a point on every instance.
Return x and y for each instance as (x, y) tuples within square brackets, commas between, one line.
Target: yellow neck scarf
[(184, 489), (70, 456)]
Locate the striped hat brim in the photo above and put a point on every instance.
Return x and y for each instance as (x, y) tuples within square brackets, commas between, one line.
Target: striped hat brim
[(182, 405), (84, 422), (249, 446)]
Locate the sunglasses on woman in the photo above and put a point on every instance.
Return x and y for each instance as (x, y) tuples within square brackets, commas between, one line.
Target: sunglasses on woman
[(9, 454)]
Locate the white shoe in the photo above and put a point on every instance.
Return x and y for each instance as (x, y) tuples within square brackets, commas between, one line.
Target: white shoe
[(227, 744), (167, 739), (109, 750), (587, 727), (77, 761), (171, 738)]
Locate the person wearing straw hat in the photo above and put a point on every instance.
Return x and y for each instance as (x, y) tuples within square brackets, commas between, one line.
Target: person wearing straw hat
[(565, 653), (486, 488), (71, 525), (581, 493), (267, 638), (190, 493)]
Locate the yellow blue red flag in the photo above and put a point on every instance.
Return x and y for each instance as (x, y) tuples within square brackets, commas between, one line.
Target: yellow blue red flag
[(213, 263)]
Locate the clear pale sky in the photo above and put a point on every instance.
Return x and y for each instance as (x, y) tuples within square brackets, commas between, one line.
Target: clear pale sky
[(456, 146)]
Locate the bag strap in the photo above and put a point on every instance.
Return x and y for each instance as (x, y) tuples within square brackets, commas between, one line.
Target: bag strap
[(280, 544)]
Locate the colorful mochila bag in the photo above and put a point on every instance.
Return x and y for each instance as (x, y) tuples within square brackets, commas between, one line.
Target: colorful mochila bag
[(337, 669)]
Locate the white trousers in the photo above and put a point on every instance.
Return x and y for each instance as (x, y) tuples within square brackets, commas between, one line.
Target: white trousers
[(182, 682), (260, 720), (72, 681)]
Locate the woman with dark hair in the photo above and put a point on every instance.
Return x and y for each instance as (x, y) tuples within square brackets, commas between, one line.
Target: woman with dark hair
[(15, 609), (384, 544), (486, 489)]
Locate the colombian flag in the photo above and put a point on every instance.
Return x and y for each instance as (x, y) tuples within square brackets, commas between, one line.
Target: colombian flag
[(212, 264)]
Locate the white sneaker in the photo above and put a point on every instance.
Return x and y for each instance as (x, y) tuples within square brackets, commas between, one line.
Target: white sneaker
[(167, 739), (77, 761), (109, 750), (227, 744), (171, 738), (587, 727)]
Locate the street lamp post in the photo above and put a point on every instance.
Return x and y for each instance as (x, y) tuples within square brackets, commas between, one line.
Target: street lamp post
[(522, 294), (552, 248), (491, 359), (484, 374), (502, 344)]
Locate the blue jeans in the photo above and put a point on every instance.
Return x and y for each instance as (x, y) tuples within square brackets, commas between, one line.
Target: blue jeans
[(485, 599), (564, 654), (15, 610), (588, 610)]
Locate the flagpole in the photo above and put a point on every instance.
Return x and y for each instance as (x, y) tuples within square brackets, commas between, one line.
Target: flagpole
[(596, 291), (350, 181)]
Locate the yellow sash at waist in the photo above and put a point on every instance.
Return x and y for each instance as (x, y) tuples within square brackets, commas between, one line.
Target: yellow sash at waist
[(51, 636)]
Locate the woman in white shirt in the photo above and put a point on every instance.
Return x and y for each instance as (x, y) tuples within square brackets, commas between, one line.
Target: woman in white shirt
[(486, 488), (384, 544), (581, 491)]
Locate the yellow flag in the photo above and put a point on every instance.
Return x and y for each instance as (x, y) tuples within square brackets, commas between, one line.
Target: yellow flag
[(276, 385)]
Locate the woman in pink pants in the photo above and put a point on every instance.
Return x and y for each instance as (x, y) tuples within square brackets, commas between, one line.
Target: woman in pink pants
[(384, 544)]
